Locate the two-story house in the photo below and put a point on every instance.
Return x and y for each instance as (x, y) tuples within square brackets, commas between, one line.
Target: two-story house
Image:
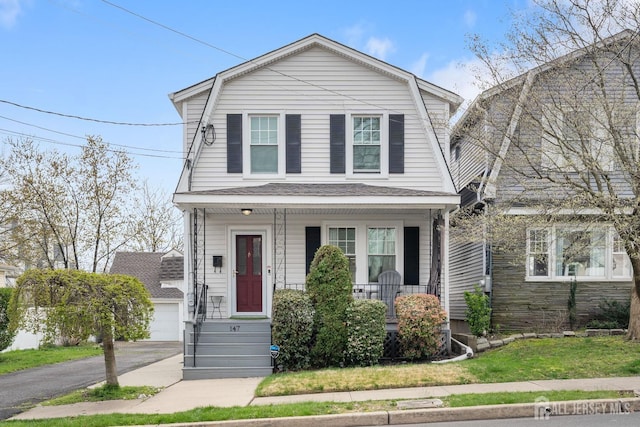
[(313, 143), (554, 152)]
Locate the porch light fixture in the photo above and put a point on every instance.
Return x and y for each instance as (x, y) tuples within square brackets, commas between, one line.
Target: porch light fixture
[(246, 211)]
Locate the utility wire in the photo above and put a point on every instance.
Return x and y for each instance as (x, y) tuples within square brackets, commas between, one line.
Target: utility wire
[(84, 138), (15, 104), (68, 144)]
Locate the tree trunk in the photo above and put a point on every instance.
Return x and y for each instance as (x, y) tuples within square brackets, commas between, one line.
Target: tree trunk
[(634, 315), (110, 359)]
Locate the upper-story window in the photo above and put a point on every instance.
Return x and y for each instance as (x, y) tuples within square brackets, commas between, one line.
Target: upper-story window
[(366, 144), (264, 144)]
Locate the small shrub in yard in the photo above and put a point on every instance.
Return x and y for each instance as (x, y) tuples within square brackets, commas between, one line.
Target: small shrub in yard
[(478, 312), (612, 314), (329, 286), (419, 321), (292, 325), (365, 332), (7, 333)]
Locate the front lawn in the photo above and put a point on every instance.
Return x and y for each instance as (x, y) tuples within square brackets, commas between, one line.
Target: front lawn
[(18, 360), (523, 360)]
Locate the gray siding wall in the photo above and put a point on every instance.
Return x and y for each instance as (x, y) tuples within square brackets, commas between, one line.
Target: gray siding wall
[(520, 305), (466, 267)]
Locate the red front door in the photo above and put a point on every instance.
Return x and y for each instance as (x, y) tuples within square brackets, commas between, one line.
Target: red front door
[(249, 274)]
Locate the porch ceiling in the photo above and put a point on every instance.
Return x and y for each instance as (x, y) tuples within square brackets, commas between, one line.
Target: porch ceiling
[(318, 198)]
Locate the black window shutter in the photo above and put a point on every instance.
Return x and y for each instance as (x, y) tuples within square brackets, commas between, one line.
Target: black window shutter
[(412, 255), (337, 143), (311, 244), (234, 143), (396, 143), (293, 142)]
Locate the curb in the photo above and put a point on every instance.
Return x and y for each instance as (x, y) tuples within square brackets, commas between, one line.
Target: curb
[(540, 410)]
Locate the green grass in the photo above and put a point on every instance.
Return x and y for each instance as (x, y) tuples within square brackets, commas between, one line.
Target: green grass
[(104, 392), (461, 400), (18, 360), (522, 360), (553, 358), (302, 409)]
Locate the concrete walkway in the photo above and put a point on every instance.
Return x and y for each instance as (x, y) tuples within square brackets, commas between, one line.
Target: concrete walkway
[(179, 395)]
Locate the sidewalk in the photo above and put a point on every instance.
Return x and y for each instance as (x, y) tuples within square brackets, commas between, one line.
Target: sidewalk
[(179, 395)]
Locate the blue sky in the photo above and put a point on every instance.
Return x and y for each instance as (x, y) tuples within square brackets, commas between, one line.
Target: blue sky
[(90, 58)]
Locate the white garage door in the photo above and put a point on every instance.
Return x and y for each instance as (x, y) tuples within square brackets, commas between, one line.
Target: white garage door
[(165, 325)]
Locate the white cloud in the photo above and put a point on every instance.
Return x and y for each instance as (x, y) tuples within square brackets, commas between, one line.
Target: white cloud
[(9, 12), (379, 47), (458, 76), (470, 18), (419, 66)]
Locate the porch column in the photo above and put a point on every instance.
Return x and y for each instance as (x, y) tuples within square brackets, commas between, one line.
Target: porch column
[(444, 279), (279, 248)]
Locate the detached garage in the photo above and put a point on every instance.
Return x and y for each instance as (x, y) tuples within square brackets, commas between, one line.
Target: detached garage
[(162, 275)]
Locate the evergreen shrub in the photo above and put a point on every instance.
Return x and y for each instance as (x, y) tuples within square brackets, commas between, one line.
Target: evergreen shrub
[(292, 328), (365, 332), (420, 317)]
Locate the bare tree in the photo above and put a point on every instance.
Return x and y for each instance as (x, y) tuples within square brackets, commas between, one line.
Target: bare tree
[(562, 135), (67, 211), (158, 222)]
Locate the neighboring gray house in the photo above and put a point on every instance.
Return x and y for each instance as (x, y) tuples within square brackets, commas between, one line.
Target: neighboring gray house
[(163, 276), (313, 143), (503, 149)]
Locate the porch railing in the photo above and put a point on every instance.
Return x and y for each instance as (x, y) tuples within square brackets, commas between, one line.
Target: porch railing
[(199, 316), (372, 290)]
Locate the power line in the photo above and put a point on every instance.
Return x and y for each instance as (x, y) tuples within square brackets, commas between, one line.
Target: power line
[(84, 138), (68, 144), (71, 116)]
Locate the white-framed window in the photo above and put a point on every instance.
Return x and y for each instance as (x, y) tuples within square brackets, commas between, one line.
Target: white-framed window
[(371, 247), (367, 150), (345, 239), (366, 143), (584, 252), (575, 137), (381, 248), (264, 144), (538, 253)]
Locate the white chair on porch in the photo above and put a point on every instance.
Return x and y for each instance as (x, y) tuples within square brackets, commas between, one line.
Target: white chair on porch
[(389, 283)]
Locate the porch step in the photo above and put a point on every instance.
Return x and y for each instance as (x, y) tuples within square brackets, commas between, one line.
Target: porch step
[(232, 337), (227, 361), (228, 348), (231, 349), (213, 373)]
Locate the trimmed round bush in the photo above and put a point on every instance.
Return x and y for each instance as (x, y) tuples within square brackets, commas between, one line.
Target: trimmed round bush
[(365, 332), (292, 328), (420, 317), (330, 288)]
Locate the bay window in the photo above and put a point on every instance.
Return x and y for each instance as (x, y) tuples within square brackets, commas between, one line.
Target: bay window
[(563, 251)]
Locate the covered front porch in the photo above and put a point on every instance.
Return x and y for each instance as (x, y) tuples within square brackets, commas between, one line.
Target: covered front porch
[(245, 243)]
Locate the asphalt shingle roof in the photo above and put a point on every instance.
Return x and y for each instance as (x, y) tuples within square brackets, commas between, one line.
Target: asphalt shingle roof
[(287, 189), (149, 268)]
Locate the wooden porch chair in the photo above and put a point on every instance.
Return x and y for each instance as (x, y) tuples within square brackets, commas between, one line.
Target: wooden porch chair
[(389, 284)]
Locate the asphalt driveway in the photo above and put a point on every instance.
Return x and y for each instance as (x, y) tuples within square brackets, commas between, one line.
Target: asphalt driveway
[(22, 389)]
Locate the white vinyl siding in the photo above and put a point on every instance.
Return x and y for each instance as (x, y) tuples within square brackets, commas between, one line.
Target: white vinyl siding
[(466, 267), (322, 84)]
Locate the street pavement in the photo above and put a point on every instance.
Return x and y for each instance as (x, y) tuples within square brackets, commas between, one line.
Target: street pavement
[(178, 395), (29, 387)]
